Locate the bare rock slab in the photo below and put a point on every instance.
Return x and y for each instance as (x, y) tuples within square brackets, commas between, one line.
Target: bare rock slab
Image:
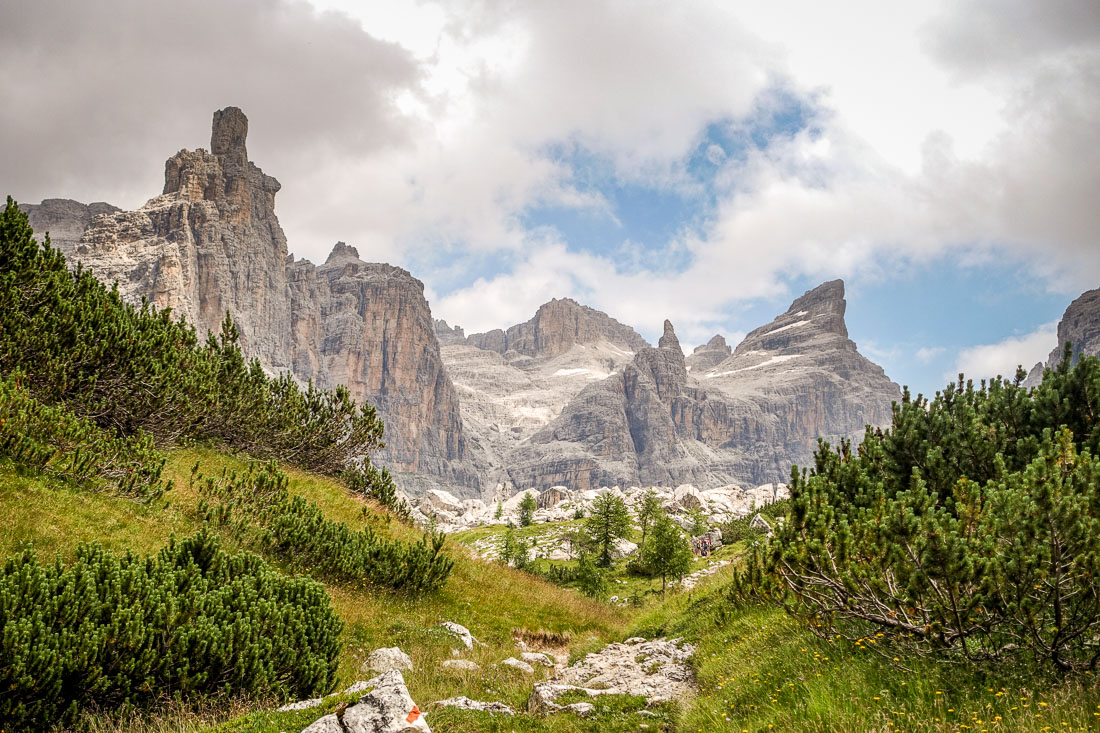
[(388, 708), (656, 670), (386, 659)]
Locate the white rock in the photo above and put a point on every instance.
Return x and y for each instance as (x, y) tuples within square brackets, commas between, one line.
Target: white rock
[(465, 703), (461, 664), (537, 658), (517, 664), (623, 548), (656, 669), (553, 496), (387, 658), (512, 505), (388, 708), (356, 687), (687, 496), (473, 506), (461, 632), (582, 709)]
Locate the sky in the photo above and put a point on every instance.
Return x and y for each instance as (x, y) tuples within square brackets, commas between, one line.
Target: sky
[(705, 162)]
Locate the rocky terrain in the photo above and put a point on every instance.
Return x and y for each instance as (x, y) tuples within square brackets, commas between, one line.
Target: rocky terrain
[(717, 417), (211, 243), (1080, 327), (448, 513)]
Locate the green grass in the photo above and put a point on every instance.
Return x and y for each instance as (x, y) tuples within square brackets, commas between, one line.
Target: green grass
[(623, 584), (757, 668), (52, 516)]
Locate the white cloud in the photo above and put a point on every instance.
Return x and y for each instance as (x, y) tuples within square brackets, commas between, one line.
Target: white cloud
[(926, 354), (1001, 359), (420, 132)]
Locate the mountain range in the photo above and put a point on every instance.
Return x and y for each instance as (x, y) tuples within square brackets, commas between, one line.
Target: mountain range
[(571, 397)]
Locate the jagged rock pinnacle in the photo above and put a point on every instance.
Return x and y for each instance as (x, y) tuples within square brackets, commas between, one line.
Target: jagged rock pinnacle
[(228, 133), (668, 338)]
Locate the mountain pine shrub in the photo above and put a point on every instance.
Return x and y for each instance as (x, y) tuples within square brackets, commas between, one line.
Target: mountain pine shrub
[(131, 369), (968, 530), (259, 503), (55, 441), (113, 630)]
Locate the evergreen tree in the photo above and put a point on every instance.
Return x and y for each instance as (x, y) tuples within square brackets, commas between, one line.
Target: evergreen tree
[(610, 521), (648, 509), (589, 578), (527, 508), (668, 552), (499, 512)]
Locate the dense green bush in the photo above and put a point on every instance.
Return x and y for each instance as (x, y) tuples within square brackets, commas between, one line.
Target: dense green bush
[(374, 483), (133, 369), (53, 440), (970, 528), (297, 530), (114, 630)]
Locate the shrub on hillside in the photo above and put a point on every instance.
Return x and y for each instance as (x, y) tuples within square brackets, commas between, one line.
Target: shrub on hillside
[(298, 531), (366, 479), (54, 440), (970, 528), (133, 369), (113, 630)]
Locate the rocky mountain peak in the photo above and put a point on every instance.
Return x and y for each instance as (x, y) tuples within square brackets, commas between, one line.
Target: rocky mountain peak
[(710, 354), (718, 341), (342, 251), (815, 318), (668, 338), (826, 305), (211, 243), (556, 327)]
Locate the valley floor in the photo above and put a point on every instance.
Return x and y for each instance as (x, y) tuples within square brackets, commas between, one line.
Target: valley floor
[(756, 668)]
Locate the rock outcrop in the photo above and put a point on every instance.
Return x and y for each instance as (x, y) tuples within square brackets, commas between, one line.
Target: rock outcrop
[(387, 708), (745, 420), (657, 670), (211, 243), (1079, 327)]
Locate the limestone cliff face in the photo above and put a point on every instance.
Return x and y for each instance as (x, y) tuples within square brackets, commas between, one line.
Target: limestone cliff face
[(557, 327), (1079, 327), (211, 243), (745, 420)]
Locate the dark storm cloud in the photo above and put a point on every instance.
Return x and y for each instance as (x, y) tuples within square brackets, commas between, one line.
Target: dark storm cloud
[(97, 94)]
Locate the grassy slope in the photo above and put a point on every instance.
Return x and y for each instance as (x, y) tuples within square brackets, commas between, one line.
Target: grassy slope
[(757, 669), (52, 517)]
